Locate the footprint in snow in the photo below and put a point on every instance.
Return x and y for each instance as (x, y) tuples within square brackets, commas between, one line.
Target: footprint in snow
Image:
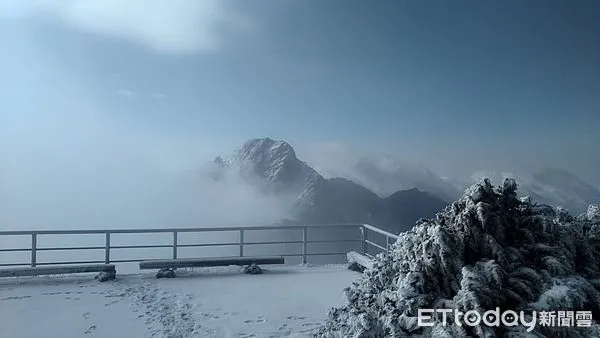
[(311, 324), (90, 329), (12, 298), (284, 327)]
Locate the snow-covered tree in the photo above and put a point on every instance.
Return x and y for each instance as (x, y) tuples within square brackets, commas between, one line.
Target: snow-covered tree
[(488, 249)]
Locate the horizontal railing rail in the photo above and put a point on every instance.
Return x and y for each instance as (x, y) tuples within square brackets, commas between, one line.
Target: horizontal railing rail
[(367, 243), (108, 248)]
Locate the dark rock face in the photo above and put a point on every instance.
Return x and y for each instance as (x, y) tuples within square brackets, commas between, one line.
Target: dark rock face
[(488, 249), (401, 210), (338, 200)]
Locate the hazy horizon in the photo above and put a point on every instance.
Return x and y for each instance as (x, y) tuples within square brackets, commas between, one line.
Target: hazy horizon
[(103, 102)]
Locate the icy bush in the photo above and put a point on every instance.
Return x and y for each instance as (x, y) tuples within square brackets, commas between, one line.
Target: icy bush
[(488, 249)]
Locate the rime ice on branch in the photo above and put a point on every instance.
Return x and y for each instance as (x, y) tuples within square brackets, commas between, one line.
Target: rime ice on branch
[(488, 249)]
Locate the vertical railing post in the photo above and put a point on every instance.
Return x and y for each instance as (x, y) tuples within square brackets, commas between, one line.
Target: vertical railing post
[(304, 244), (241, 243), (107, 249), (33, 250), (363, 232), (387, 243), (174, 244)]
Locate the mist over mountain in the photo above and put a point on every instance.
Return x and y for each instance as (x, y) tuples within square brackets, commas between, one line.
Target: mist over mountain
[(382, 174), (273, 167), (386, 174), (551, 186), (379, 190)]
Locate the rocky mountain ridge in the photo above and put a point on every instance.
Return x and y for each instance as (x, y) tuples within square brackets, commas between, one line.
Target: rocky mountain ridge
[(272, 166)]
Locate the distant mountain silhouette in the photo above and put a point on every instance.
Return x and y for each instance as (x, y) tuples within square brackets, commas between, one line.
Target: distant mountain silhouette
[(415, 204), (272, 166)]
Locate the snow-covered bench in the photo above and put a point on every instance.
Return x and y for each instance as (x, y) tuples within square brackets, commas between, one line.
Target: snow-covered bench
[(358, 262), (107, 271), (167, 266)]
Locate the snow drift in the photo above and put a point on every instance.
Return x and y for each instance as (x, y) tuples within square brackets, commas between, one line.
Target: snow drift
[(488, 249)]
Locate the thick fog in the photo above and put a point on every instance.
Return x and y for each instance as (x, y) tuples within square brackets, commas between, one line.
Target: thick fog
[(67, 162), (458, 163), (72, 168)]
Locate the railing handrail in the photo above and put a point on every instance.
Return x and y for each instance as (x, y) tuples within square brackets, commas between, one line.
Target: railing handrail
[(364, 228), (379, 231), (160, 230)]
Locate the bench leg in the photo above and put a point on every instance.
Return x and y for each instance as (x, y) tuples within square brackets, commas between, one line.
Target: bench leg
[(165, 273), (253, 269), (104, 276)]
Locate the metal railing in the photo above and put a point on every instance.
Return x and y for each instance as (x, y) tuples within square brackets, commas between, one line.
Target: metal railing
[(367, 242), (365, 230)]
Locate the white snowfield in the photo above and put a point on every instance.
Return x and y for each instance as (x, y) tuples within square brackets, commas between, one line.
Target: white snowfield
[(288, 301)]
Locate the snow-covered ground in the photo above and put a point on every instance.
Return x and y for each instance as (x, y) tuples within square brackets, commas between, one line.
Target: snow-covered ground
[(211, 302)]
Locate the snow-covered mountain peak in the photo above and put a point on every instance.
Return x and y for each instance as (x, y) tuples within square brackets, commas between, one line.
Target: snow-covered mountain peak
[(271, 165), (265, 149)]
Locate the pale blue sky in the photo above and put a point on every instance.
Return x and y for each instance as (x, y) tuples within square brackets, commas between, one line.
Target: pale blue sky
[(455, 85)]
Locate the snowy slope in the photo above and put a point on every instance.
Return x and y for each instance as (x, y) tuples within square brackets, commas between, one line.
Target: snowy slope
[(217, 302)]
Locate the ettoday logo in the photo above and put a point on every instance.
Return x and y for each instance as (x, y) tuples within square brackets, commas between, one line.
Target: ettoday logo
[(425, 317)]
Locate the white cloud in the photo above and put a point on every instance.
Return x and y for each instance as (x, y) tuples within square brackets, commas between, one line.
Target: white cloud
[(132, 94), (127, 92), (173, 26), (158, 96)]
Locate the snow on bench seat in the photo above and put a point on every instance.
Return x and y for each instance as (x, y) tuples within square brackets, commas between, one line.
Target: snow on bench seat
[(360, 259), (207, 262), (108, 269)]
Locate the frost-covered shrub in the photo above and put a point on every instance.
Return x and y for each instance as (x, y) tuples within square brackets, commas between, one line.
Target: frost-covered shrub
[(488, 249)]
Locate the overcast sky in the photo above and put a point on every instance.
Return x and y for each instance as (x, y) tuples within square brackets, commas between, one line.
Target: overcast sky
[(458, 86)]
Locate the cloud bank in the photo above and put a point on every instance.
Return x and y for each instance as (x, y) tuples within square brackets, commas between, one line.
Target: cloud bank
[(68, 162), (174, 26)]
